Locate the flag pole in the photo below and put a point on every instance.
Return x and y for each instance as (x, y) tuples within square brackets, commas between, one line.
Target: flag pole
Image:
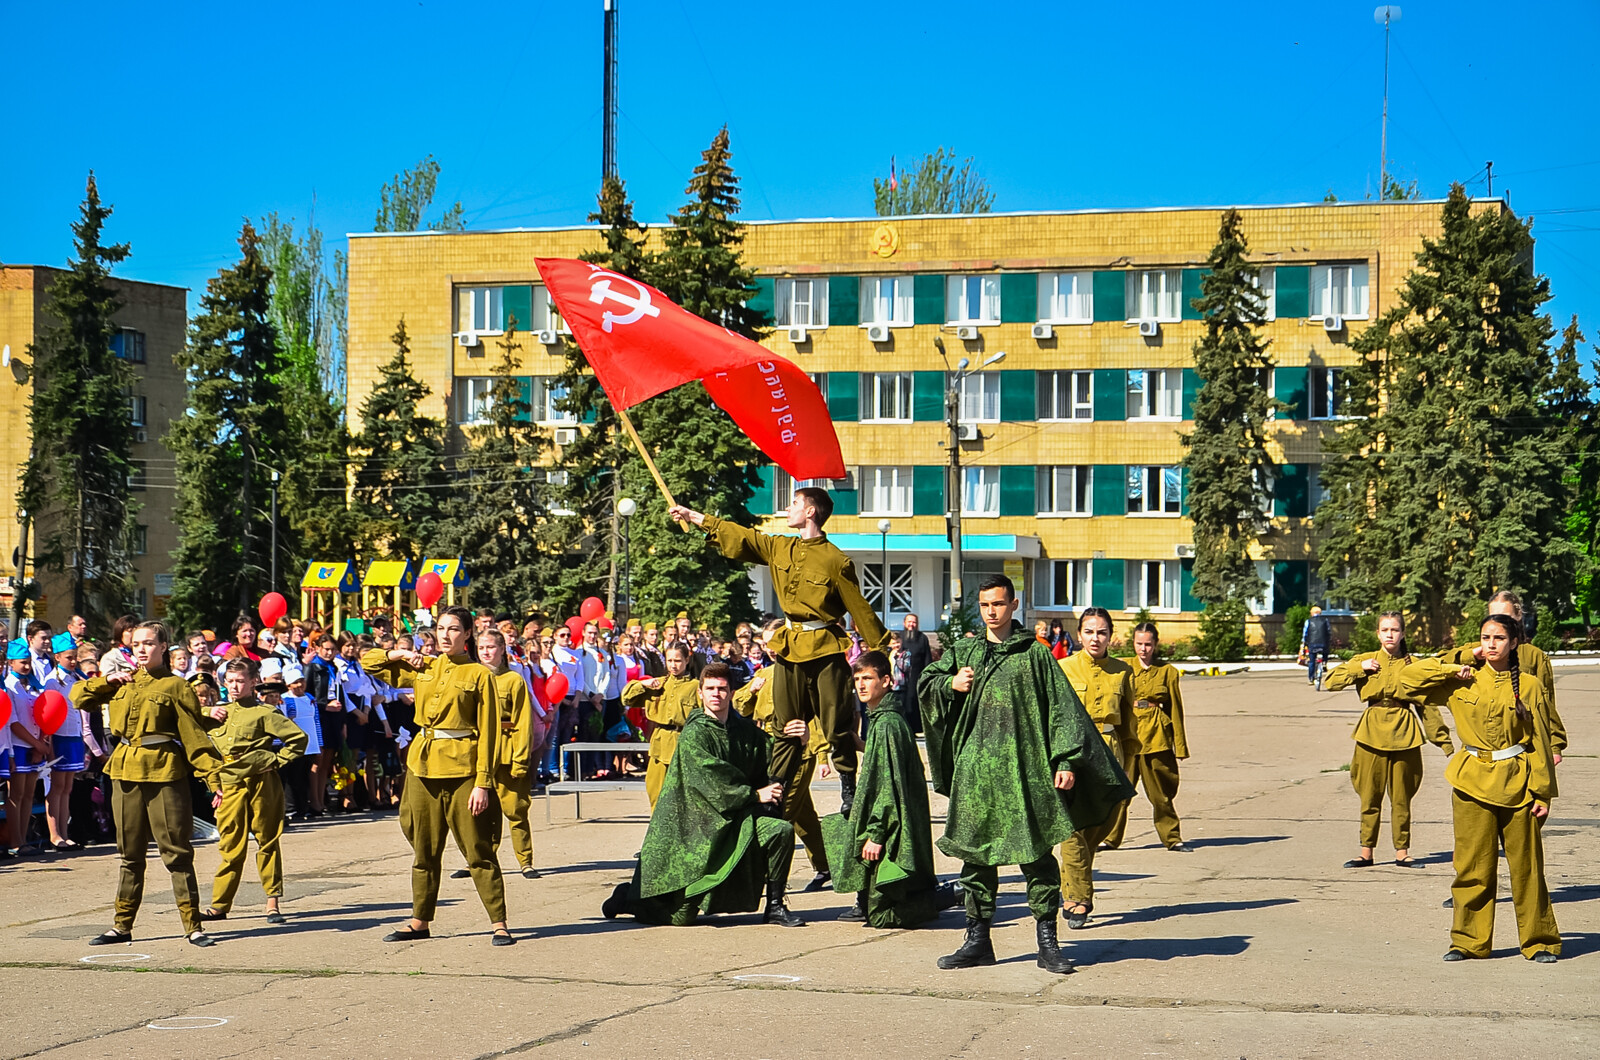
[(638, 443)]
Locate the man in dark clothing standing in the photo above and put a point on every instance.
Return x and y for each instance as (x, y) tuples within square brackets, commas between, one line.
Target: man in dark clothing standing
[(919, 653), (1316, 639)]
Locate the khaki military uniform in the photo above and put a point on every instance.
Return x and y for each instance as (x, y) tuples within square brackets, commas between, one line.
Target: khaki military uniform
[(453, 752), (669, 709), (160, 741), (255, 741), (1504, 768), (799, 808), (816, 585), (1105, 687), (1388, 753), (1158, 724), (1533, 662), (513, 772)]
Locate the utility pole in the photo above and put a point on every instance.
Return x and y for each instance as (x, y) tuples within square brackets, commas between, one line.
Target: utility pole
[(1489, 166), (952, 493), (1387, 14), (608, 143), (273, 582)]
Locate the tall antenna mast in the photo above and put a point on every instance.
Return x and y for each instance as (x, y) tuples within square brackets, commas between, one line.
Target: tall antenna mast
[(608, 146), (1387, 14)]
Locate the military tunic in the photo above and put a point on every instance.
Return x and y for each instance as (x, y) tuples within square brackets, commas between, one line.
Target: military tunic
[(1388, 751), (816, 585), (157, 727), (455, 750), (513, 769), (1492, 801), (799, 808), (1158, 727), (1105, 687), (255, 741), (1533, 661), (668, 708)]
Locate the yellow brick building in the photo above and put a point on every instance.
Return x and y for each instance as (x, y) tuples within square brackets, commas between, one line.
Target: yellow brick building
[(152, 323), (1070, 478)]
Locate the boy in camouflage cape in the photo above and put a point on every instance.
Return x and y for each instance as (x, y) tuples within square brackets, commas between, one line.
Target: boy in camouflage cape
[(1022, 765)]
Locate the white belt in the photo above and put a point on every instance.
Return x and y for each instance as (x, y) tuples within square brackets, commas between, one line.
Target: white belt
[(447, 734), (809, 626), (1494, 756)]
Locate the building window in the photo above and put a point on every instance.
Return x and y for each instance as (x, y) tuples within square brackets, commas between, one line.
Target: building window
[(980, 398), (1066, 297), (129, 345), (1267, 289), (887, 300), (1061, 583), (886, 491), (1323, 392), (1339, 291), (1065, 489), (482, 309), (1317, 494), (141, 539), (1066, 395), (474, 399), (973, 299), (801, 303), (138, 405), (1151, 584), (886, 397), (138, 476), (546, 398), (1155, 489), (1155, 294), (901, 580), (1155, 394), (980, 491), (141, 601)]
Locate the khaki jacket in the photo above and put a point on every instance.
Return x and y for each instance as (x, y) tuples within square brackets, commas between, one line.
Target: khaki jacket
[(1105, 687), (1158, 710), (454, 694), (156, 726)]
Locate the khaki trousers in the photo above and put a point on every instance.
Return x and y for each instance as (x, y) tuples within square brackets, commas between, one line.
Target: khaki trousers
[(1395, 773), (800, 810), (1480, 830), (1078, 849), (515, 795), (434, 808), (816, 688), (1158, 773), (252, 805), (164, 812), (655, 775)]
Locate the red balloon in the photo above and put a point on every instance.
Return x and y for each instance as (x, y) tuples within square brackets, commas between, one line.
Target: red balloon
[(593, 608), (273, 607), (429, 588), (5, 710), (49, 711), (555, 688), (606, 623)]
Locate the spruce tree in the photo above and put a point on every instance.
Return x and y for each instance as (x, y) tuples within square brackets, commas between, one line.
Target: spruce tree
[(75, 483), (400, 474), (1583, 484), (1450, 482), (1229, 469), (234, 432)]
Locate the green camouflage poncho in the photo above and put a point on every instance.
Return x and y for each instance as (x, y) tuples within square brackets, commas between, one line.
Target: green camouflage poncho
[(994, 751), (891, 808), (701, 839)]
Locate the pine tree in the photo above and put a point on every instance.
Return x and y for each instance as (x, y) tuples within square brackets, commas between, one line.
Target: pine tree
[(400, 474), (493, 516), (1229, 468), (932, 184), (1583, 483), (75, 483), (234, 432), (1450, 482)]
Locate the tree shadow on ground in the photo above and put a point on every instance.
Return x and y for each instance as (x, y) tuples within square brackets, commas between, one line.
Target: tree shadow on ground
[(1112, 952), (1233, 840), (366, 916), (1575, 892), (1153, 913)]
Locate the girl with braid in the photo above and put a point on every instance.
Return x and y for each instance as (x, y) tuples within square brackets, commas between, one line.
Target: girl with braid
[(1502, 781)]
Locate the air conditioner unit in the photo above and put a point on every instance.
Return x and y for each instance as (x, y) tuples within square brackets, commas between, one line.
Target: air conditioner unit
[(797, 335), (877, 333), (1183, 551), (566, 435), (1149, 328), (968, 432), (967, 333), (549, 337), (1333, 323), (469, 339), (1043, 331), (141, 435)]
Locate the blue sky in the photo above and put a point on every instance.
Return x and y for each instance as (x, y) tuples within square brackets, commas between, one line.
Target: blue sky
[(195, 116)]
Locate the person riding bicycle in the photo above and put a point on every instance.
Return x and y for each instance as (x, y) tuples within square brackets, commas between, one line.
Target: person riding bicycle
[(1316, 637)]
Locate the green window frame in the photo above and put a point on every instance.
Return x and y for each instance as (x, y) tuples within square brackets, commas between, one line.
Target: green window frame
[(1110, 295), (1018, 393), (927, 489), (1290, 385), (844, 301), (1110, 489), (1292, 291), (1110, 394), (844, 396), (1019, 297), (927, 397), (1016, 490), (928, 299), (1106, 584)]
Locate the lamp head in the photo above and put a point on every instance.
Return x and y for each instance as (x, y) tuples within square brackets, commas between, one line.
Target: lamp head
[(626, 507), (884, 525), (961, 365)]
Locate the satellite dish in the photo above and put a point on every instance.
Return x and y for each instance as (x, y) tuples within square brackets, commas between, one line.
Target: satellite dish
[(5, 356), (1386, 14)]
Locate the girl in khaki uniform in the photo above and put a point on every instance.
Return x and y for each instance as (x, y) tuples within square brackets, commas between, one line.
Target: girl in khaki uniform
[(1388, 754), (1158, 723), (668, 702), (1105, 687), (1503, 779), (513, 768)]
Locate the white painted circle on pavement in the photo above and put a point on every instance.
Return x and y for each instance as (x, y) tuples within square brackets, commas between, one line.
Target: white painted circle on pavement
[(114, 958), (758, 978), (186, 1023)]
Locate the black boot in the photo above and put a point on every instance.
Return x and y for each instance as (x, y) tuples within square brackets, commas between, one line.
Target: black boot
[(857, 912), (777, 912), (618, 903), (1050, 956), (976, 949), (847, 792)]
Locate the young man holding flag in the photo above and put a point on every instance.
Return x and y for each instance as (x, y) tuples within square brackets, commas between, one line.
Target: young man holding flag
[(816, 585)]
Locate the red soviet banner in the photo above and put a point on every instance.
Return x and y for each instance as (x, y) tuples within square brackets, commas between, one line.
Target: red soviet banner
[(640, 345)]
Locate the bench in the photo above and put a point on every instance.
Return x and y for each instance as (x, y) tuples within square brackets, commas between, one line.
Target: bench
[(576, 788)]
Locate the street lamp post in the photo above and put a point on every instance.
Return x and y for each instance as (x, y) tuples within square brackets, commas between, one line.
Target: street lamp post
[(883, 529), (273, 583), (625, 508), (953, 491)]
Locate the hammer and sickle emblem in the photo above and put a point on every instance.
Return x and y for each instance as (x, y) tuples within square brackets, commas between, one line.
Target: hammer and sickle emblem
[(638, 305)]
